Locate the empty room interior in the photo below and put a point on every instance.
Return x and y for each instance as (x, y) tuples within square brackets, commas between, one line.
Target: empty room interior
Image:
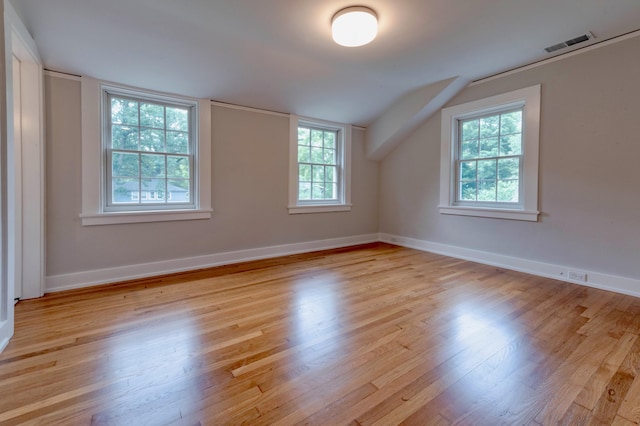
[(285, 212)]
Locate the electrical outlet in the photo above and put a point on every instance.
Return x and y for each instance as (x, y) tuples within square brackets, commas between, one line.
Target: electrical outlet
[(577, 276)]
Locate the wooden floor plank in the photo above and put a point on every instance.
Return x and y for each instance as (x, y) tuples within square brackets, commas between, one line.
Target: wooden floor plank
[(372, 334)]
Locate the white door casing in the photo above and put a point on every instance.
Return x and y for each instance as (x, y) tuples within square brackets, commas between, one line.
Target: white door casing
[(21, 170)]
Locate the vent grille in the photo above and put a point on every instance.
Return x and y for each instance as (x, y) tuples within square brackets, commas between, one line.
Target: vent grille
[(573, 41)]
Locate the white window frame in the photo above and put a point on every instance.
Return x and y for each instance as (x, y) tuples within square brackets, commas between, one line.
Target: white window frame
[(527, 209), (343, 203), (94, 211)]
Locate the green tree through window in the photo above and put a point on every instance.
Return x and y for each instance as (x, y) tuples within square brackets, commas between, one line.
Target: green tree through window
[(490, 158), (317, 164), (150, 154)]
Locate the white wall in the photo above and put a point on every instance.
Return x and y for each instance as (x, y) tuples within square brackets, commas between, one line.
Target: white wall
[(589, 170), (249, 196)]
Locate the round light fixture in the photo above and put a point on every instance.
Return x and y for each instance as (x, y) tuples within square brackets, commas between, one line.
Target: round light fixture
[(354, 26)]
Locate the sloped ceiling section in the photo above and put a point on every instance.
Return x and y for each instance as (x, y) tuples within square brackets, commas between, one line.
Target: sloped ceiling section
[(279, 55), (406, 114)]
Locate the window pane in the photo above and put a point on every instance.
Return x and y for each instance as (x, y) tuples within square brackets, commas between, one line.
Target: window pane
[(304, 173), (490, 126), (508, 191), (470, 129), (178, 191), (177, 119), (316, 137), (125, 165), (124, 137), (487, 190), (329, 156), (304, 191), (152, 140), (178, 142), (124, 190), (330, 140), (511, 145), (304, 154), (153, 190), (178, 167), (152, 165), (152, 115), (318, 173), (489, 147), (470, 149), (468, 191), (508, 168), (317, 191), (124, 111), (468, 170), (304, 136), (511, 123), (329, 193), (487, 170), (317, 155)]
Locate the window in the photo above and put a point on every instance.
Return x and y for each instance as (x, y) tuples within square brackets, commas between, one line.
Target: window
[(146, 157), (317, 164), (489, 159), (319, 169), (149, 153)]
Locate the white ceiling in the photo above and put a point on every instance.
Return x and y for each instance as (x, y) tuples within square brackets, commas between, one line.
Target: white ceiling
[(278, 54)]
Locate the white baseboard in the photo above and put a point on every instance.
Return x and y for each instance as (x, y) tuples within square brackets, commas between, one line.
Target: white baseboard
[(83, 279), (602, 281), (123, 273)]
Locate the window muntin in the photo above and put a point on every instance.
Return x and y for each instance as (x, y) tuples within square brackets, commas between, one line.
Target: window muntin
[(149, 150), (318, 164), (489, 159)]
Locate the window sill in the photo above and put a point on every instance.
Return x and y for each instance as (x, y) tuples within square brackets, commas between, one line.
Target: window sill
[(527, 215), (113, 218), (320, 208)]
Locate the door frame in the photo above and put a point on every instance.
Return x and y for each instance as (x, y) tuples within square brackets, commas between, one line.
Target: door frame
[(22, 255), (28, 185)]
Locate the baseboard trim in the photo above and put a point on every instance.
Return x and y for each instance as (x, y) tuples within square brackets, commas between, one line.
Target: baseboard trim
[(56, 283), (83, 279), (623, 285)]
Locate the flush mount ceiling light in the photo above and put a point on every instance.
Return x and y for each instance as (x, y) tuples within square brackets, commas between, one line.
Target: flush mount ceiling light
[(354, 26)]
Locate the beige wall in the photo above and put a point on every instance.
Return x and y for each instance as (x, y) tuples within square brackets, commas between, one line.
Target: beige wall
[(589, 170), (249, 195), (589, 182)]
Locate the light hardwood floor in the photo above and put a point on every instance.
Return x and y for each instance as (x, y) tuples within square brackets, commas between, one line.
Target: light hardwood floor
[(371, 335)]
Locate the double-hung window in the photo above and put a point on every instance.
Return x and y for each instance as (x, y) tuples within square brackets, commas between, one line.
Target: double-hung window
[(489, 162), (489, 159), (146, 156), (149, 154), (319, 166)]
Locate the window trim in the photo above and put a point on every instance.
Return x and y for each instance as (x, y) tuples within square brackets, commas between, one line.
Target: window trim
[(93, 199), (527, 98), (344, 159)]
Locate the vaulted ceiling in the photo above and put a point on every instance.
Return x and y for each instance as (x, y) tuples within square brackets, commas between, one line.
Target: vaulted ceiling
[(279, 55)]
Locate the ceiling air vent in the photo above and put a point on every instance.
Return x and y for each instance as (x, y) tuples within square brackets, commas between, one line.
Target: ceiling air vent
[(564, 44)]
